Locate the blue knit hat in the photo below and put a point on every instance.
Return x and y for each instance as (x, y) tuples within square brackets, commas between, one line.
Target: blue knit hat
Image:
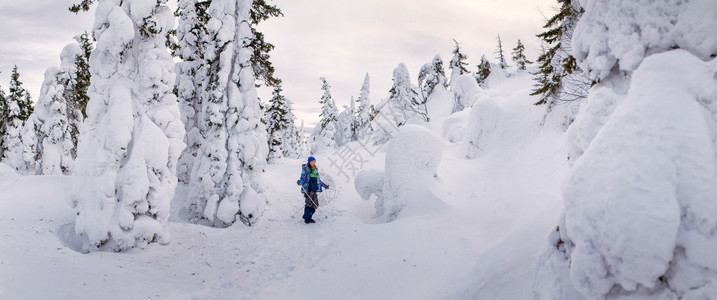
[(311, 158)]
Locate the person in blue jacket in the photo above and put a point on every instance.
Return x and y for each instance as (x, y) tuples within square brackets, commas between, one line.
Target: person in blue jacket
[(310, 182)]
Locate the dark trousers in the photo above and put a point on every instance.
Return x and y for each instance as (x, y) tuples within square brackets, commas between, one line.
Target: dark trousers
[(308, 213), (311, 201)]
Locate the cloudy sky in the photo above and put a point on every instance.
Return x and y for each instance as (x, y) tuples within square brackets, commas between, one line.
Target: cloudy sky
[(339, 39)]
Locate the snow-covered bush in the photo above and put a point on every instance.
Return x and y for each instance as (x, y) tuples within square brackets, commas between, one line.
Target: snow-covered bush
[(640, 214), (412, 158), (132, 137), (482, 126)]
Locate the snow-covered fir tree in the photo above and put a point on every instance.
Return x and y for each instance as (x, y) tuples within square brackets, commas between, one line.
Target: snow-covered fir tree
[(483, 72), (431, 77), (327, 131), (519, 56), (282, 134), (4, 114), (458, 63), (404, 103), (19, 108), (365, 113), (225, 183), (193, 85), (132, 137), (51, 133), (559, 77), (499, 54), (639, 199), (347, 123)]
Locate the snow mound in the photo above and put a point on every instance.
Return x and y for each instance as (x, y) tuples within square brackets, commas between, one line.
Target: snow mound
[(482, 127), (7, 171), (465, 90), (370, 182), (455, 127), (412, 158)]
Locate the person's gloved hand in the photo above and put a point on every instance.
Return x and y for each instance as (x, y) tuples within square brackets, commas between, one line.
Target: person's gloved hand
[(298, 182), (327, 186)]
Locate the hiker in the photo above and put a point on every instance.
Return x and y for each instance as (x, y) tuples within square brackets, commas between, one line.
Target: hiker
[(311, 184)]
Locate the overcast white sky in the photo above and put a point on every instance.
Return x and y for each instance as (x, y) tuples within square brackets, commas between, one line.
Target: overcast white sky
[(338, 39)]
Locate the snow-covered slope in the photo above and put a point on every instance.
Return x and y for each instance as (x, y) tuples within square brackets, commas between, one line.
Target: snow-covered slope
[(482, 244)]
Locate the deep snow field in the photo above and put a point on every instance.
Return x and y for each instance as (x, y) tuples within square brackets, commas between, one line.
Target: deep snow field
[(483, 244)]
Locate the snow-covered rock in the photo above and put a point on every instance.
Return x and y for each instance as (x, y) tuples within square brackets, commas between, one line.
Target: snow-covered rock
[(370, 182)]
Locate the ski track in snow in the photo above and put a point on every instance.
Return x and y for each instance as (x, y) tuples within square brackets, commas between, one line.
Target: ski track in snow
[(484, 245)]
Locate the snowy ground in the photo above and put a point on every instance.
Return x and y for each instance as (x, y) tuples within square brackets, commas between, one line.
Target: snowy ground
[(484, 245)]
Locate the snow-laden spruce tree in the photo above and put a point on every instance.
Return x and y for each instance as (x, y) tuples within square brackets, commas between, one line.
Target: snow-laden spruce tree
[(50, 134), (519, 56), (282, 134), (3, 119), (640, 216), (225, 183), (19, 108), (483, 72), (559, 77), (431, 78), (193, 82), (458, 63), (364, 113), (327, 132), (404, 103), (132, 137), (500, 56), (347, 123)]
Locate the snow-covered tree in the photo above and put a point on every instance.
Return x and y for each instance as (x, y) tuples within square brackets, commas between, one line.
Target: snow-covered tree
[(559, 78), (132, 137), (4, 114), (19, 108), (483, 70), (500, 56), (326, 132), (282, 134), (519, 56), (365, 113), (225, 183), (193, 85), (347, 123), (639, 200), (458, 63), (405, 96), (431, 76)]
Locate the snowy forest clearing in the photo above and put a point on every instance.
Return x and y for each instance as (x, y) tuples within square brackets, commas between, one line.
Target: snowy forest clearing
[(495, 222)]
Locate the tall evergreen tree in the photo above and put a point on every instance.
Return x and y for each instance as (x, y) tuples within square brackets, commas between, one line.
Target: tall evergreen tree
[(483, 70), (51, 133), (365, 113), (458, 62), (218, 91), (555, 61), (281, 131), (130, 141), (519, 56), (499, 55), (4, 118), (19, 108), (404, 96), (260, 59), (326, 133)]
